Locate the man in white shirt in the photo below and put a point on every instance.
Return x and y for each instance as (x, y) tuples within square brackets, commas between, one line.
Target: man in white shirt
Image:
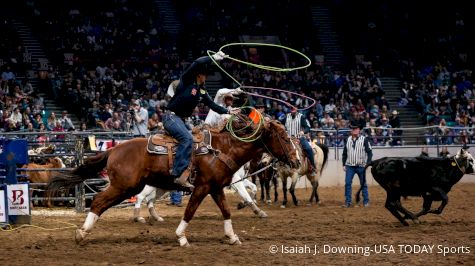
[(224, 97)]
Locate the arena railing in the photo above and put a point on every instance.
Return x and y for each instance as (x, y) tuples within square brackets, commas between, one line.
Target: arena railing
[(72, 149), (414, 137)]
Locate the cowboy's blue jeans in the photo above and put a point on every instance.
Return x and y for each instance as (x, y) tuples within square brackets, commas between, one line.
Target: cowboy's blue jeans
[(176, 127), (350, 173), (308, 150), (175, 197)]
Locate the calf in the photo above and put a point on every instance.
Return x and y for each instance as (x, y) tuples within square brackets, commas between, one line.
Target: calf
[(429, 178)]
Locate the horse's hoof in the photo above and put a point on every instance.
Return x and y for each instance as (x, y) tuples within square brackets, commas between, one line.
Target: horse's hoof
[(416, 221), (282, 206), (159, 219), (140, 220), (80, 235), (156, 218), (183, 241), (269, 202), (262, 214), (234, 240)]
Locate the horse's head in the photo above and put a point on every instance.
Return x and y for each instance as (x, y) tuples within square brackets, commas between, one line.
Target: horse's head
[(277, 143), (465, 161)]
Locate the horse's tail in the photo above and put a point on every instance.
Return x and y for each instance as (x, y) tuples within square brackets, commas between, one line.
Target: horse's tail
[(89, 169), (325, 155)]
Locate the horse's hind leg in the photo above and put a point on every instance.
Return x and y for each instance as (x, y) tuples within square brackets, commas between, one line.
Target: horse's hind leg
[(151, 208), (284, 190), (240, 188), (220, 200), (148, 194), (103, 201), (199, 193)]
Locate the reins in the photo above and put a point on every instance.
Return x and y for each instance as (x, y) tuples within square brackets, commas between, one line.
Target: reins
[(255, 173)]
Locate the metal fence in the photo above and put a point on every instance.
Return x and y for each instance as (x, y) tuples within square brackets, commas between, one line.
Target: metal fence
[(72, 148)]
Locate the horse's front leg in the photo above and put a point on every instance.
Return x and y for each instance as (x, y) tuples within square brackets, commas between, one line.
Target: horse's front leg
[(220, 200), (295, 177), (267, 187), (199, 193), (283, 177)]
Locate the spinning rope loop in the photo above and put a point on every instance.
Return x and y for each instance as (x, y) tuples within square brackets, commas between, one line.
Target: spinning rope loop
[(253, 136), (260, 121)]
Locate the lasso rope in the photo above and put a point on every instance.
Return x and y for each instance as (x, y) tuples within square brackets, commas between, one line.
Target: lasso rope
[(10, 228), (260, 123), (252, 137), (264, 67), (279, 100)]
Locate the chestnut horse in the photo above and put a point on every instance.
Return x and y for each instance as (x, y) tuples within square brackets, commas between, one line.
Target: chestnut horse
[(131, 167), (42, 176)]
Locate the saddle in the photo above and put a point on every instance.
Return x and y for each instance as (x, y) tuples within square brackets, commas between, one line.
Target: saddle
[(164, 144)]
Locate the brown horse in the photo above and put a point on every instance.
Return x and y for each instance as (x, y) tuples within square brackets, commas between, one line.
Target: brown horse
[(320, 152), (42, 176), (130, 167), (265, 176)]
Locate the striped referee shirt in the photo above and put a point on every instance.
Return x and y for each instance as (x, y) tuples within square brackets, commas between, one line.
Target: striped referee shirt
[(357, 152), (297, 124)]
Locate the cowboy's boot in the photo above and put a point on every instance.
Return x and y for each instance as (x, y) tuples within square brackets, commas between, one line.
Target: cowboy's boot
[(183, 179)]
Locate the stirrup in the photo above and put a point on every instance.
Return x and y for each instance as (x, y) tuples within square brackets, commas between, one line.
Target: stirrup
[(185, 184)]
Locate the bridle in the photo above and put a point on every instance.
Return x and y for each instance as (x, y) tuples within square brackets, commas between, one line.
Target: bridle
[(282, 146)]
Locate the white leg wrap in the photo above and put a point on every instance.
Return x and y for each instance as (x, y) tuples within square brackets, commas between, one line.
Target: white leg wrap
[(139, 200), (147, 193), (239, 186), (91, 219), (86, 227), (248, 184), (229, 232), (180, 233)]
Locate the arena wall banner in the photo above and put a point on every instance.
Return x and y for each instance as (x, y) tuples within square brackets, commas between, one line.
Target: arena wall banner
[(18, 199), (103, 144), (3, 210)]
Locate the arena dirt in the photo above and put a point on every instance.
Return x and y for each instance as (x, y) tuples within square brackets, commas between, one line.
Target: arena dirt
[(117, 241)]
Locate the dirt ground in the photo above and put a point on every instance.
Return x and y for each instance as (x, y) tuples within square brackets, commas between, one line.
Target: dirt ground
[(371, 235)]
